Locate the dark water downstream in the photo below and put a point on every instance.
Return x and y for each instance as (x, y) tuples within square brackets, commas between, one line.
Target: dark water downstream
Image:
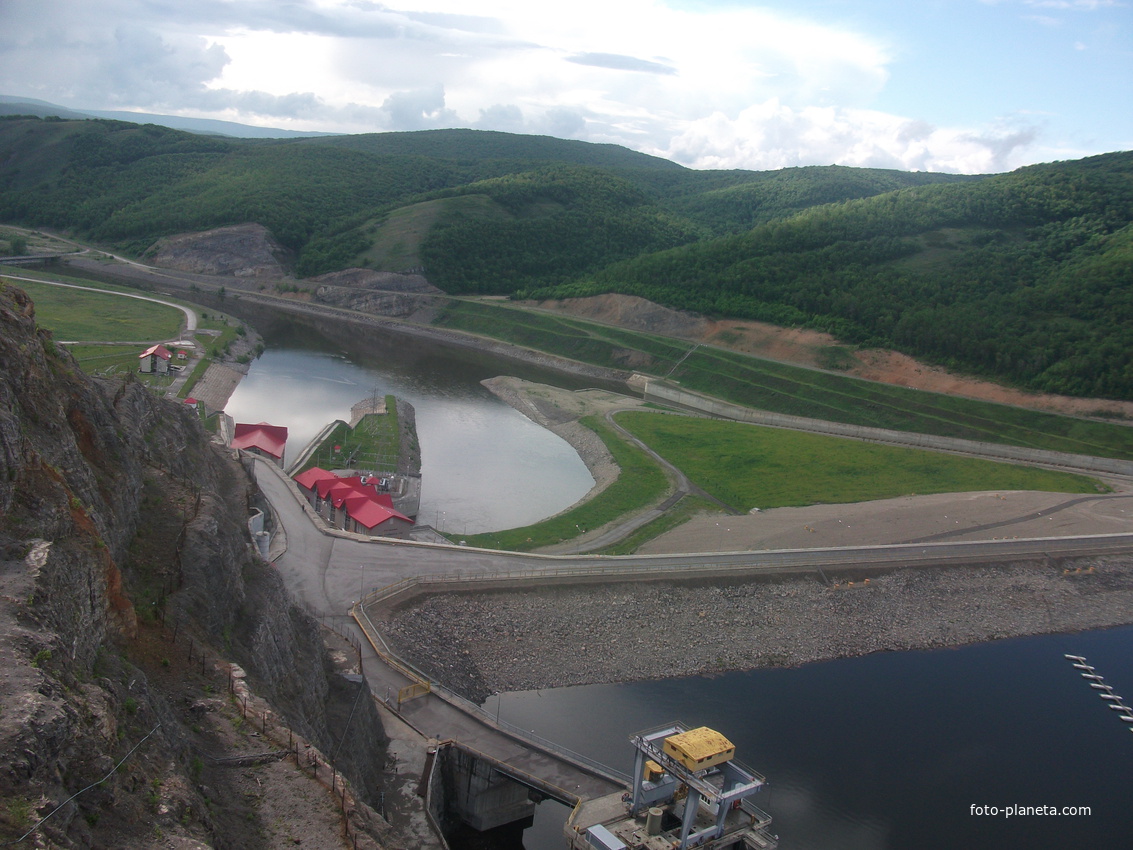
[(886, 752), (891, 751)]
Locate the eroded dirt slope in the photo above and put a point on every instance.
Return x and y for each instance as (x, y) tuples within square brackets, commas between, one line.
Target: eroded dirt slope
[(811, 348)]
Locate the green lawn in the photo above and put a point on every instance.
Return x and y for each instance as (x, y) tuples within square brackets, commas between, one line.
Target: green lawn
[(373, 444), (748, 466), (78, 314), (106, 359), (640, 483)]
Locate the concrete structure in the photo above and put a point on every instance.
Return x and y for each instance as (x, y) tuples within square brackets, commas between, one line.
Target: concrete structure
[(687, 791), (470, 788), (375, 405)]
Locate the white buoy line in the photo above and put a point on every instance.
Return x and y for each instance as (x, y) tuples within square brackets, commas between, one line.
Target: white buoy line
[(1098, 683)]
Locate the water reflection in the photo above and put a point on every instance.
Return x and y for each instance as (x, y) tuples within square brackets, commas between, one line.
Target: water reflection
[(485, 467)]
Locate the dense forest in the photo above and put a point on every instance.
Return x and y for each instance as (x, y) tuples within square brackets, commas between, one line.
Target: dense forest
[(1025, 277)]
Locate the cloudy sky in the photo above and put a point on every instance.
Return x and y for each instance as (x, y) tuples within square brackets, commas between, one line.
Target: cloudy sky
[(971, 86)]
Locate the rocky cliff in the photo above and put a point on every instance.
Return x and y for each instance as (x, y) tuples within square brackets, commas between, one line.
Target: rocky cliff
[(123, 541)]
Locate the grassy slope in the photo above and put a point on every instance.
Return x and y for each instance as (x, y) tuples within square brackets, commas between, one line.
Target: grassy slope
[(394, 244), (782, 388), (77, 314), (748, 466)]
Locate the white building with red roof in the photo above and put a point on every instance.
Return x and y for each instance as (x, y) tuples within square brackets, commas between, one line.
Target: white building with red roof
[(155, 360)]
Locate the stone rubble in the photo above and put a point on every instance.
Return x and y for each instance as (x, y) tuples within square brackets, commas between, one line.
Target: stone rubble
[(477, 643)]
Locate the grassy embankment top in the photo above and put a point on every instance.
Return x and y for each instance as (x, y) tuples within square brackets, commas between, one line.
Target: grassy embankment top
[(747, 466), (373, 444)]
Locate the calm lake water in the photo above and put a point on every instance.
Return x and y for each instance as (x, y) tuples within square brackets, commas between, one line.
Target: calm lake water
[(891, 751), (886, 752), (484, 466)]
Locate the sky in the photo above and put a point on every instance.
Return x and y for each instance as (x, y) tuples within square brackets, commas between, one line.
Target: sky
[(968, 86)]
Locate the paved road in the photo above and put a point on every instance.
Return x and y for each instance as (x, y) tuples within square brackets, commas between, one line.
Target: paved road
[(330, 573)]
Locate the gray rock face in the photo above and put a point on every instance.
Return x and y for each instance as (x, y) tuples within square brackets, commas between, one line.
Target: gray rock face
[(237, 251), (85, 466)]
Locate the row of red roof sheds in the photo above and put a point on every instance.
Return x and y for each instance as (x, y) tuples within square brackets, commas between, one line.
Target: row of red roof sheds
[(352, 505)]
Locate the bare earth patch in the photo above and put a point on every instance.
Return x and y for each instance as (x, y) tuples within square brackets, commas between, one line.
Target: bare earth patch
[(807, 348)]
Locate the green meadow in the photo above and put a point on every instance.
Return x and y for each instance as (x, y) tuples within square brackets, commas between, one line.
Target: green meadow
[(748, 466), (81, 314), (107, 360)]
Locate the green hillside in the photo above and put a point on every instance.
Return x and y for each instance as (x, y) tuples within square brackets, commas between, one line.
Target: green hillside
[(479, 148), (1023, 277)]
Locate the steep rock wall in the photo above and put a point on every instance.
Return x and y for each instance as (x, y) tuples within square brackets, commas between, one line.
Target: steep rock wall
[(85, 465)]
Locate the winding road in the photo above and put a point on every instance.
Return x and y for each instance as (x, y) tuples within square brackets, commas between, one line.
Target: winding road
[(190, 315)]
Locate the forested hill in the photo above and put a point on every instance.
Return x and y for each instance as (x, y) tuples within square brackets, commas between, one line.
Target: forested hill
[(1027, 275), (1023, 277)]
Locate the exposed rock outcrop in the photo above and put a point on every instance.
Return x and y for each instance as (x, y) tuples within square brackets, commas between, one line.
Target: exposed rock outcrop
[(239, 251), (115, 510), (401, 296)]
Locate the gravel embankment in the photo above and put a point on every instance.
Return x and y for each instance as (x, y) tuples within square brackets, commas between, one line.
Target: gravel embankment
[(476, 643)]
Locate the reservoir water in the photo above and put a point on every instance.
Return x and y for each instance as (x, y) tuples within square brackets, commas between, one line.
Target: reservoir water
[(484, 467), (886, 752)]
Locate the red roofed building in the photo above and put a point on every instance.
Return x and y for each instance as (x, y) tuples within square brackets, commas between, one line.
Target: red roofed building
[(352, 505), (265, 440), (309, 482), (378, 520), (155, 359)]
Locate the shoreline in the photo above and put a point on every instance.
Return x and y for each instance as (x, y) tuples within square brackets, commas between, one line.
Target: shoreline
[(548, 413), (479, 643)]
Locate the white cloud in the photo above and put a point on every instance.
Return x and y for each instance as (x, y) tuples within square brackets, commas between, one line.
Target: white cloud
[(729, 86), (772, 135)]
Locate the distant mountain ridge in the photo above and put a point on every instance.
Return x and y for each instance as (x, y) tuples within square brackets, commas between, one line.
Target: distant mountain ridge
[(1025, 277), (14, 105)]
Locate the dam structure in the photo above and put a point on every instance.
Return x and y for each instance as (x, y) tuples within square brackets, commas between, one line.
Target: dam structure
[(686, 789)]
